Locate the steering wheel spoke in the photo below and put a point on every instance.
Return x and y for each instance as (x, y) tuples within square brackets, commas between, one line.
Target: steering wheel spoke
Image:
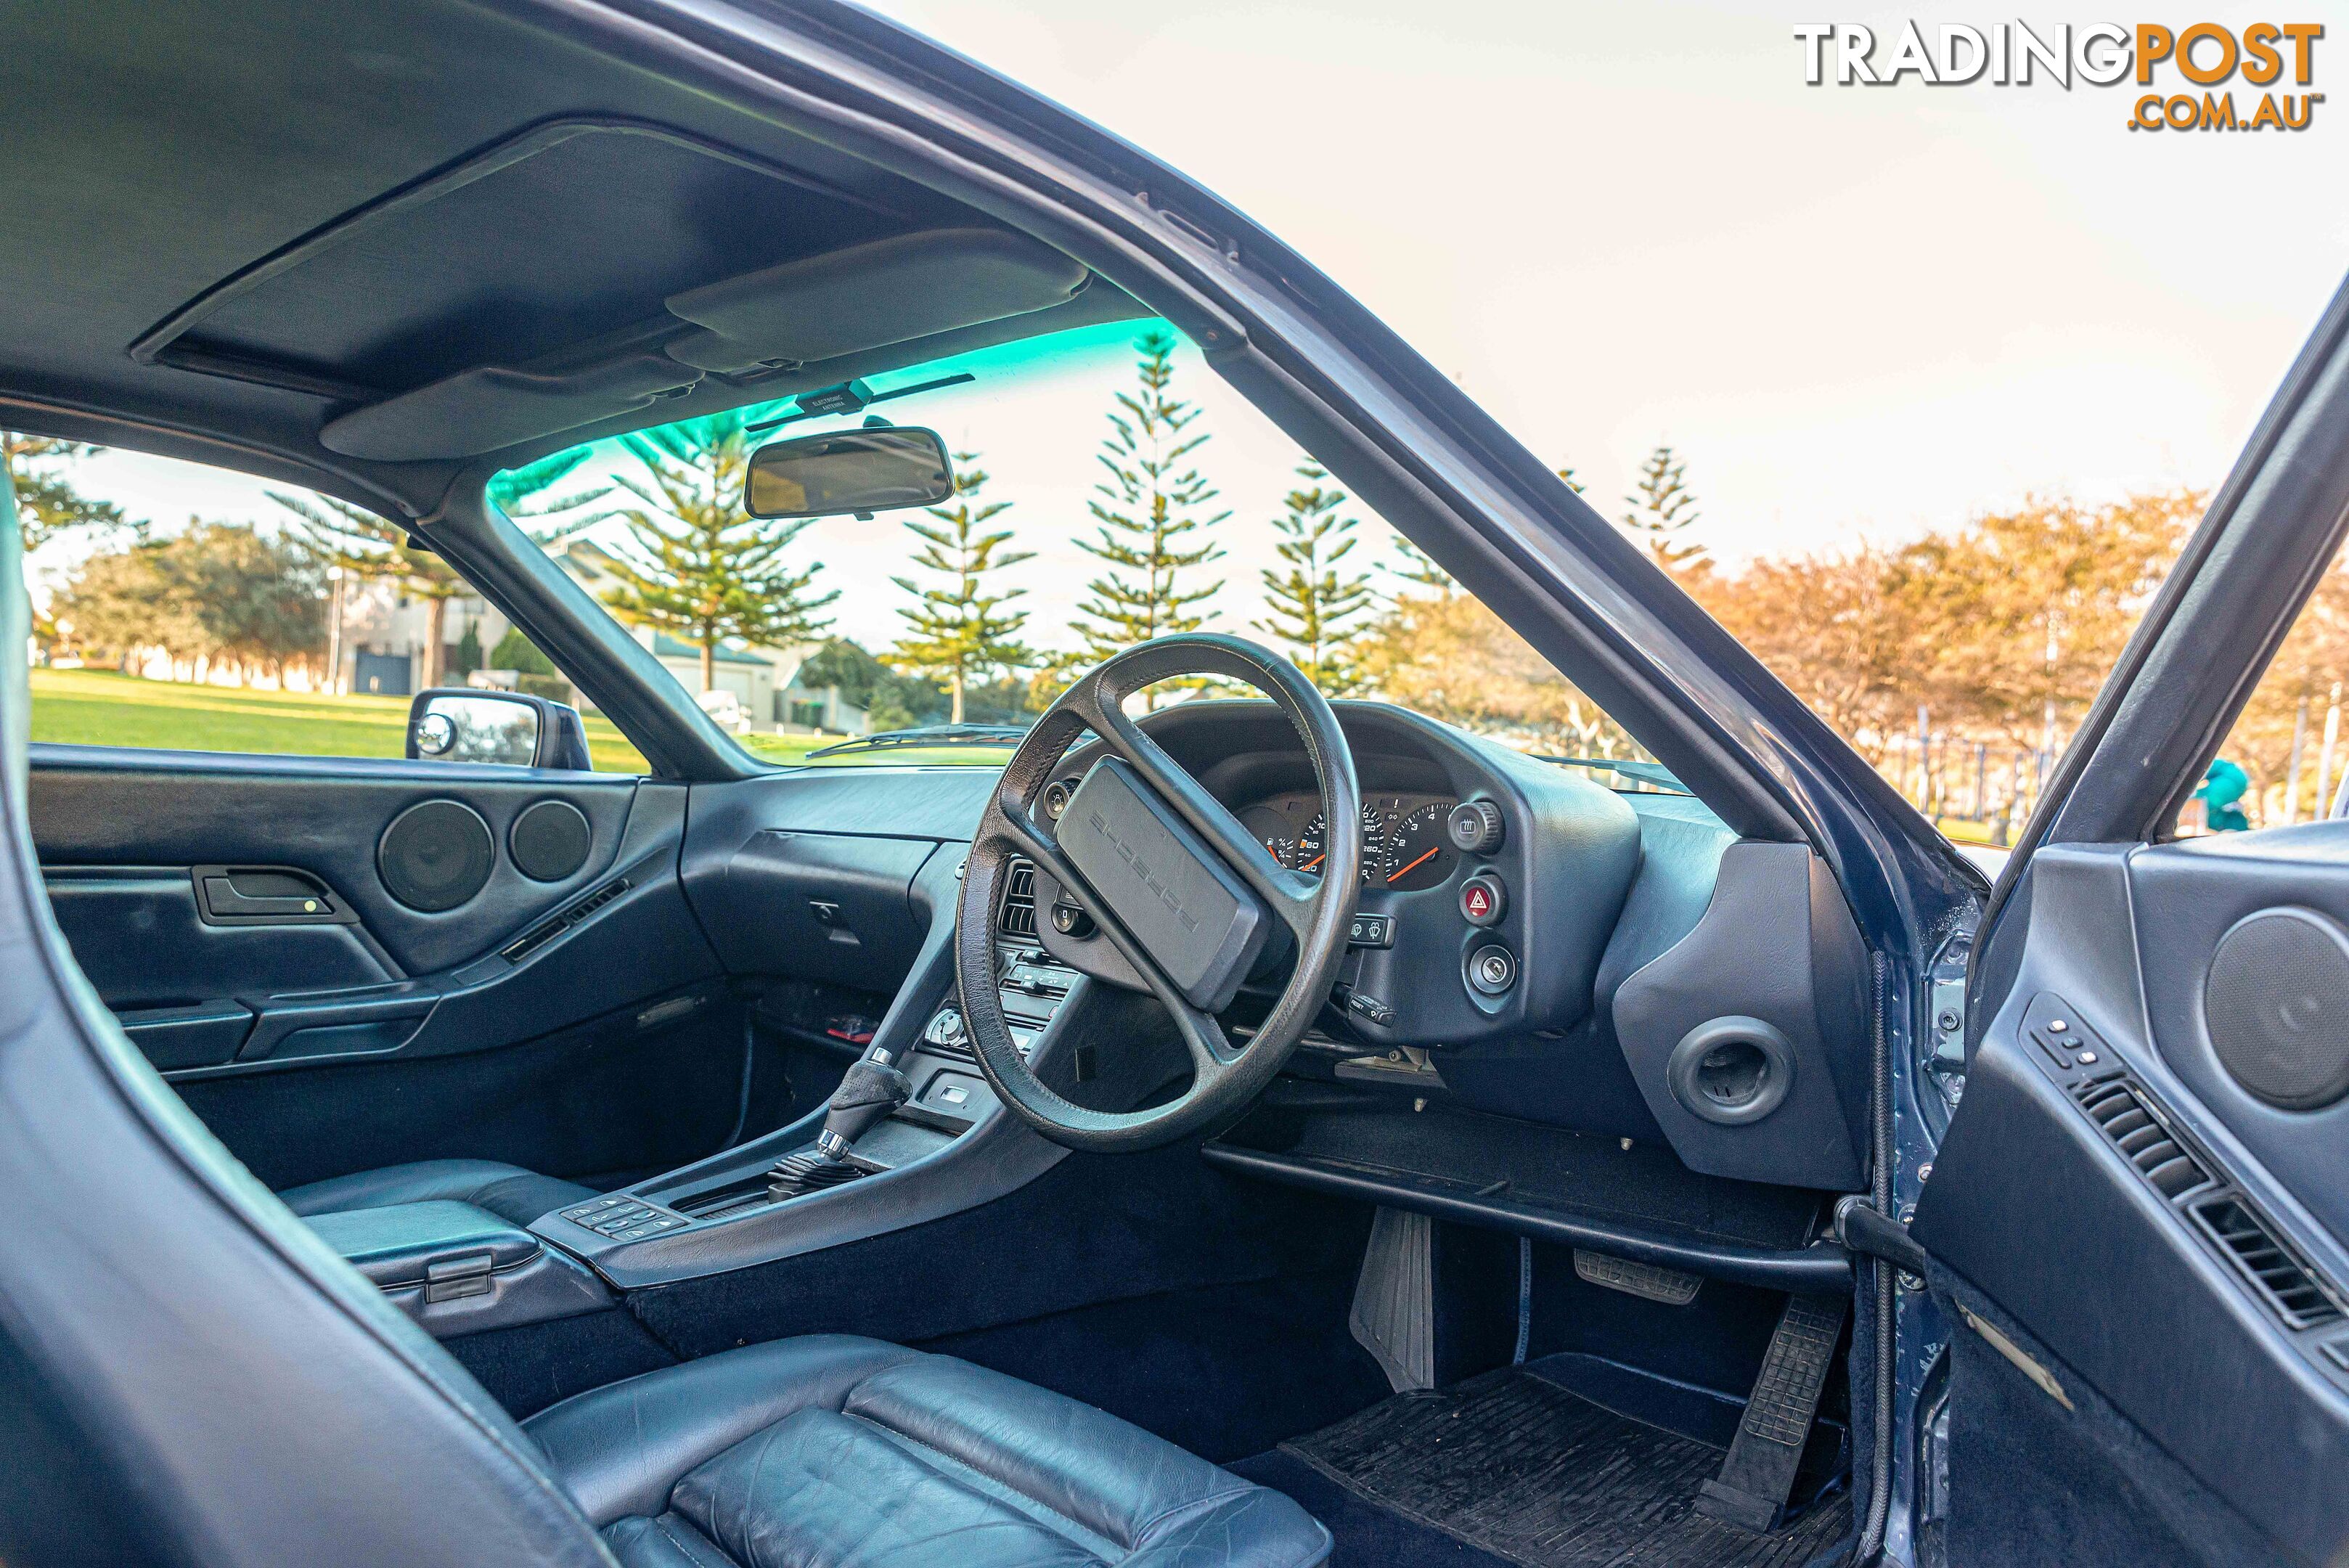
[(1290, 895)]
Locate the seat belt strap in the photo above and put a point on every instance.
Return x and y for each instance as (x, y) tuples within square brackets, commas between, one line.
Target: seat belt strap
[(1759, 1473)]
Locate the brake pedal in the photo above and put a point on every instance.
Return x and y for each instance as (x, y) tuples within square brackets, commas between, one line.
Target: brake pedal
[(1752, 1488)]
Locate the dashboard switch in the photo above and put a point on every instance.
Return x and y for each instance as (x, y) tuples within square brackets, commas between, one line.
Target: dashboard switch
[(1484, 899), (1474, 828), (1371, 931), (1492, 969)]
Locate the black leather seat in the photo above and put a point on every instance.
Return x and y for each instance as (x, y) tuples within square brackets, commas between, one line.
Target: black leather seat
[(508, 1191), (850, 1452)]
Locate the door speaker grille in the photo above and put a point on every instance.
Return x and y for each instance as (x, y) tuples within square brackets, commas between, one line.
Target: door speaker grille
[(2276, 1002)]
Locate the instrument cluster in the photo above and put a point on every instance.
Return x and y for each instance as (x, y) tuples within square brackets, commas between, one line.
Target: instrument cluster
[(1403, 844)]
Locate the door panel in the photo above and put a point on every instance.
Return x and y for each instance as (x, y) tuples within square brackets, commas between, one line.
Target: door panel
[(233, 911), (2097, 1194), (140, 939), (106, 806)]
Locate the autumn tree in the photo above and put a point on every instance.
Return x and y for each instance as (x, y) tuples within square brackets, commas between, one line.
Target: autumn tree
[(1454, 660), (701, 568), (959, 630), (1662, 510), (2291, 699), (2020, 615), (1151, 533), (47, 502), (1834, 626), (1310, 604)]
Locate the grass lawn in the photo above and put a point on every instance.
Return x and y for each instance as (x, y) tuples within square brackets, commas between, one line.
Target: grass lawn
[(101, 708)]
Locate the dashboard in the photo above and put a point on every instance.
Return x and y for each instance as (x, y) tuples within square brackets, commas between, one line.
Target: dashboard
[(1490, 881), (1403, 843)]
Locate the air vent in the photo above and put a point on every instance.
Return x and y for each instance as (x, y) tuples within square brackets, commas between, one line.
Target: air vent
[(2117, 1108), (1018, 913), (2282, 1279), (539, 935)]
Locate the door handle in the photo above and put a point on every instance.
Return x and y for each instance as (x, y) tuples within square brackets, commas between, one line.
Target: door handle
[(264, 895)]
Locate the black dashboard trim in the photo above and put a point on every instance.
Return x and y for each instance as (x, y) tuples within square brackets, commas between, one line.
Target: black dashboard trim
[(1820, 1267)]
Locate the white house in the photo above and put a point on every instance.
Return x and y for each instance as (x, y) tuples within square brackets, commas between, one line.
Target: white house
[(379, 635)]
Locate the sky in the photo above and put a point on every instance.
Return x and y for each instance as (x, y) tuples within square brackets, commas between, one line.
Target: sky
[(1854, 311)]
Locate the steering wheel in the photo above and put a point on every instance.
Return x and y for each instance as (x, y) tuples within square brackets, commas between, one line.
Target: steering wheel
[(1177, 887)]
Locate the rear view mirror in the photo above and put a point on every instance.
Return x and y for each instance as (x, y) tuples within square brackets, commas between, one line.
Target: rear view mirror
[(458, 724), (877, 469)]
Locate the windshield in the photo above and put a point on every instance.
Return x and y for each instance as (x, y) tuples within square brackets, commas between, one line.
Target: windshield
[(1110, 489)]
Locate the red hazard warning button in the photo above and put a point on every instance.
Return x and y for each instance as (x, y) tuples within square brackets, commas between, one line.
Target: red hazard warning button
[(1482, 899)]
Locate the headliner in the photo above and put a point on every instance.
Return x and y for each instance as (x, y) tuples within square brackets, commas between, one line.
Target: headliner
[(246, 223)]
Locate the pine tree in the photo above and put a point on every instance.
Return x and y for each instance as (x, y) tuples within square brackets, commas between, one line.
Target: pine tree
[(1309, 605), (1662, 510), (47, 504), (703, 569), (1416, 567), (1151, 501), (376, 549), (520, 493), (961, 632)]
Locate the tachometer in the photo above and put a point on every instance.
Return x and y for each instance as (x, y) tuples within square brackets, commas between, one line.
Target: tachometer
[(1416, 854)]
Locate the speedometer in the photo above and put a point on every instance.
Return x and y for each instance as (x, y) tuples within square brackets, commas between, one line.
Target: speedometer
[(1313, 844)]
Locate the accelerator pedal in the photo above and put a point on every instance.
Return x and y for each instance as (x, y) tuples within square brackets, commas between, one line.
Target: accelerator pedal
[(1754, 1481)]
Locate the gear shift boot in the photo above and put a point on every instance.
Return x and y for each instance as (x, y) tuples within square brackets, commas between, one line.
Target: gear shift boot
[(868, 1093)]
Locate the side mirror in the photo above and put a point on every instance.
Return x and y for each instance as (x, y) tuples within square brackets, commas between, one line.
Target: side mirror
[(877, 469), (459, 724)]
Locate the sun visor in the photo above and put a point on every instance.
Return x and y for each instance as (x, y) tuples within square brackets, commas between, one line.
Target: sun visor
[(868, 295), (494, 407)]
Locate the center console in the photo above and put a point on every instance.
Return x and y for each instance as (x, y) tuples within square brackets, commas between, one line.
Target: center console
[(459, 1270), (948, 1144)]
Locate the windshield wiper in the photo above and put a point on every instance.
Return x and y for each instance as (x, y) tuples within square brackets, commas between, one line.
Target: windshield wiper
[(934, 735), (1645, 772)]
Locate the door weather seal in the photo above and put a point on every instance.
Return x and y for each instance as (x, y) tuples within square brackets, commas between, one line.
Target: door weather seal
[(1879, 1183)]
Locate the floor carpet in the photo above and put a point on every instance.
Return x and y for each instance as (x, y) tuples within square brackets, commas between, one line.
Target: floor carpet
[(1517, 1467)]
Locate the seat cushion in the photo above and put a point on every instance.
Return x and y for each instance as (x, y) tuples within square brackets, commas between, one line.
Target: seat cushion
[(848, 1453), (509, 1192)]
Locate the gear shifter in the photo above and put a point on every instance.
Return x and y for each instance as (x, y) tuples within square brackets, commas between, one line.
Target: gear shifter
[(868, 1093)]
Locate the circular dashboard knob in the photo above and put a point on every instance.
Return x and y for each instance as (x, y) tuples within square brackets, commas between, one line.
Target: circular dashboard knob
[(1474, 828)]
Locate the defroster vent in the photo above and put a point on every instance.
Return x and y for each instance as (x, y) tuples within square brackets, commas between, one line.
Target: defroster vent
[(2115, 1105), (539, 935), (2273, 1271)]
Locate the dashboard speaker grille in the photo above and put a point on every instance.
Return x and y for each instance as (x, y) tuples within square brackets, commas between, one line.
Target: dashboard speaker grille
[(2276, 1001)]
